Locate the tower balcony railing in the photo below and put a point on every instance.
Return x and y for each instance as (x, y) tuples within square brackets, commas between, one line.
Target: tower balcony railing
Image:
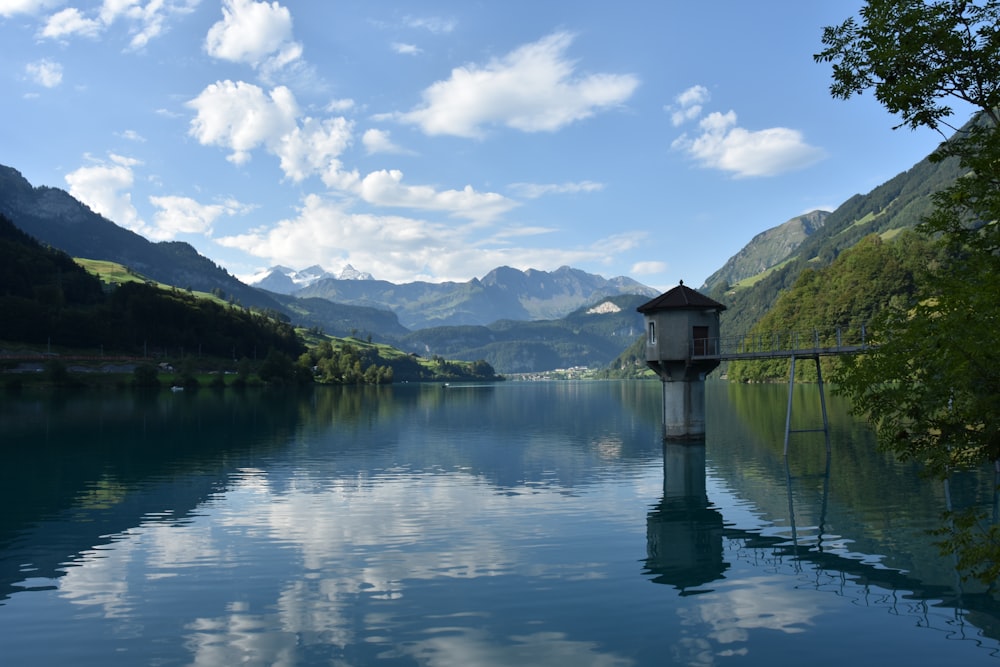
[(837, 340)]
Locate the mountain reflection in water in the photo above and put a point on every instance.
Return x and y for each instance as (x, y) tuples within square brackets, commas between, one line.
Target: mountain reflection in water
[(497, 525)]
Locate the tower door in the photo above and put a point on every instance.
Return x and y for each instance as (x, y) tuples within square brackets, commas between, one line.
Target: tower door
[(700, 336)]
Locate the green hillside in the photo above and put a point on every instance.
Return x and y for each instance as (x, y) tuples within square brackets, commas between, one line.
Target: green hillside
[(590, 336), (899, 204), (861, 282)]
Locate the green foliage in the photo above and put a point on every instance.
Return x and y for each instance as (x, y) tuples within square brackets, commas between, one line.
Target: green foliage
[(917, 55), (46, 297), (932, 387), (582, 338), (849, 293), (146, 375), (346, 364), (278, 368), (351, 361), (630, 364)]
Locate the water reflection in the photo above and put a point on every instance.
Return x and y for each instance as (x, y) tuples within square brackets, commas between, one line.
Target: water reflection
[(684, 532), (691, 547), (424, 525)]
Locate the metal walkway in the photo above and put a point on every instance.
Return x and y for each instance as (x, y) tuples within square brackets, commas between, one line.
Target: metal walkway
[(792, 345)]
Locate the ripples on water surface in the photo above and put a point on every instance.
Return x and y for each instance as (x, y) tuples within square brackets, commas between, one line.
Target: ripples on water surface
[(518, 524)]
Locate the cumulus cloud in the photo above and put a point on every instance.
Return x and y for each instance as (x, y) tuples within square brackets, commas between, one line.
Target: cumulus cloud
[(536, 190), (380, 141), (688, 105), (253, 33), (401, 248), (106, 188), (45, 73), (534, 88), (12, 7), (144, 21), (386, 188), (71, 22), (314, 147), (723, 145), (241, 117), (183, 215)]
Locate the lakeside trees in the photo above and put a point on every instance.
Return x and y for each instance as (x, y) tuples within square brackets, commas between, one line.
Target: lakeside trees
[(932, 387)]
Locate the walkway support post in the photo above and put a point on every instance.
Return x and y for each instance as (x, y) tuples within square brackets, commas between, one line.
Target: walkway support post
[(822, 403)]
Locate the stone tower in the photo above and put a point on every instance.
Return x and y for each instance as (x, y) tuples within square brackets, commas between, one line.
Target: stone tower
[(682, 346)]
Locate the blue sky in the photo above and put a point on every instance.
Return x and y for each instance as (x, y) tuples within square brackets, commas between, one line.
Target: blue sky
[(438, 140)]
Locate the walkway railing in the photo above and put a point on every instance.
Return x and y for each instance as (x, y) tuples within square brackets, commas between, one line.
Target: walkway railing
[(838, 340)]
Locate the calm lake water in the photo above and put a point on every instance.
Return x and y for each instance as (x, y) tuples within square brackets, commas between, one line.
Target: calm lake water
[(517, 524)]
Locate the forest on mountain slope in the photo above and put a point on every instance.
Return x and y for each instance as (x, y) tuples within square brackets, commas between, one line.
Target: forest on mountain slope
[(852, 291), (898, 204), (47, 299)]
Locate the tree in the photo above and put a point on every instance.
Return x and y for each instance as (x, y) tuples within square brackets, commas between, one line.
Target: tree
[(931, 389)]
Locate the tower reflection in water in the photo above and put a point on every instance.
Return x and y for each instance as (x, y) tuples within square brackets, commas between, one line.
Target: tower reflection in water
[(683, 533)]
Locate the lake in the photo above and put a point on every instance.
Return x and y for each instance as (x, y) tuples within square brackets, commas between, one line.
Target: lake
[(510, 524)]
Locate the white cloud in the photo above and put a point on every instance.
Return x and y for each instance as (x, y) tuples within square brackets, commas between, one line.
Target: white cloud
[(325, 233), (688, 105), (241, 117), (436, 25), (71, 22), (380, 141), (725, 146), (536, 190), (406, 49), (45, 73), (183, 215), (648, 268), (402, 249), (314, 148), (339, 106), (12, 7), (533, 89), (386, 188), (132, 135), (106, 188), (253, 33), (145, 22)]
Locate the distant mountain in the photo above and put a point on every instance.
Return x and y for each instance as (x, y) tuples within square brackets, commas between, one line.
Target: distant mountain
[(503, 294), (342, 320), (283, 280), (768, 249), (899, 203), (517, 315), (54, 217), (589, 336)]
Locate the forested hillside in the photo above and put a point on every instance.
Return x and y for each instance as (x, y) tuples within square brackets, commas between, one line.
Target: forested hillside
[(590, 336), (47, 299), (860, 283), (900, 203)]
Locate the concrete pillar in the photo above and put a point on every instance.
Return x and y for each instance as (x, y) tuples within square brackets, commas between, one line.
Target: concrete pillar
[(684, 409)]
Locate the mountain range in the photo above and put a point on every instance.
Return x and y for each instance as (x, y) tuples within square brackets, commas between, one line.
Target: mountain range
[(502, 294), (517, 303), (284, 280), (517, 320)]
